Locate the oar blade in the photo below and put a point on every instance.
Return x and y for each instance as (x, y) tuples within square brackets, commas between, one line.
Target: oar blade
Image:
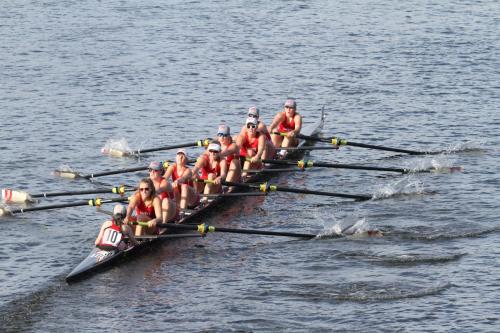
[(14, 196)]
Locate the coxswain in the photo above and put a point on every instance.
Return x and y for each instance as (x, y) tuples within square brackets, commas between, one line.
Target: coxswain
[(165, 191), (288, 121), (182, 181), (230, 152), (114, 234), (212, 168), (254, 146), (147, 208)]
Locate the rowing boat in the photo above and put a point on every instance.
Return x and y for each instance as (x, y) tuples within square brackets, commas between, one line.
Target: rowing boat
[(100, 259)]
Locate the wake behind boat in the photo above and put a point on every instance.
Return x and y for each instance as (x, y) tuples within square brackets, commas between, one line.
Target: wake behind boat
[(99, 259)]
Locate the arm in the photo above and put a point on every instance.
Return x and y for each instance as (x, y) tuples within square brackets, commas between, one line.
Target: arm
[(298, 126), (200, 163), (130, 208), (232, 149), (276, 121), (260, 149), (101, 232), (158, 218)]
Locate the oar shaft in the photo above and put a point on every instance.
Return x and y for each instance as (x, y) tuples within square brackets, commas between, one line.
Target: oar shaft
[(60, 194), (114, 172), (149, 150), (358, 167), (235, 231), (65, 205), (270, 188)]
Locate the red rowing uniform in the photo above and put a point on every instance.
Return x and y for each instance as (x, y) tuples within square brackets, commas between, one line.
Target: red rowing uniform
[(208, 168), (254, 145), (111, 237), (176, 175), (287, 126), (143, 209)]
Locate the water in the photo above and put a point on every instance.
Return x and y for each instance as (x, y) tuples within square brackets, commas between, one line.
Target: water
[(414, 75)]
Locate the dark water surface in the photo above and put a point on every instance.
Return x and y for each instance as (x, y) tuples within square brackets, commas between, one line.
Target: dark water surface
[(416, 75)]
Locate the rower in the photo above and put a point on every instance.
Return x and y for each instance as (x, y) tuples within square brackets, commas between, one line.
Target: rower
[(165, 191), (182, 181), (212, 168), (261, 127), (288, 121), (114, 234), (230, 152), (254, 146), (147, 207)]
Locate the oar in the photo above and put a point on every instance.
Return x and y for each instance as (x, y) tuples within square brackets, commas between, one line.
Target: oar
[(92, 202), (120, 153), (265, 187), (343, 142), (205, 228), (15, 196), (234, 194), (302, 164)]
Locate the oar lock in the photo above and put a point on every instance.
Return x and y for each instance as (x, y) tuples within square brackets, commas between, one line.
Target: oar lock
[(338, 142), (266, 187), (204, 228), (118, 190), (203, 143)]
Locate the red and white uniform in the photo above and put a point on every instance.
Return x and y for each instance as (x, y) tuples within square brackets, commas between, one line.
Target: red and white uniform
[(176, 175), (141, 208), (208, 168), (248, 144), (111, 237), (286, 126)]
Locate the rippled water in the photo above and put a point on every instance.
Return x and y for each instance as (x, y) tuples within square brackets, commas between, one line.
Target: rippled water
[(414, 75)]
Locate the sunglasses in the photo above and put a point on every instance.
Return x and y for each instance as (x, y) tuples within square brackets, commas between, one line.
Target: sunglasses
[(253, 115), (251, 126), (223, 135), (153, 170), (290, 107), (144, 189), (213, 151)]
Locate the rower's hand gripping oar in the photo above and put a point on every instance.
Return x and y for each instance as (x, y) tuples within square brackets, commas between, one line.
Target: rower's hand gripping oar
[(15, 196), (266, 187), (205, 228), (120, 153), (97, 202), (343, 142)]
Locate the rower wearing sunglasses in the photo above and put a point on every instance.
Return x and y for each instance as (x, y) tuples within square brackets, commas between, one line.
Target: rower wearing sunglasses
[(289, 123), (147, 208), (254, 146), (165, 191), (261, 127), (230, 152), (212, 168)]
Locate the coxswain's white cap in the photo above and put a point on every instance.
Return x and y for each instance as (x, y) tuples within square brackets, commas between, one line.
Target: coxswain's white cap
[(251, 120), (182, 151), (120, 209), (253, 111), (214, 146)]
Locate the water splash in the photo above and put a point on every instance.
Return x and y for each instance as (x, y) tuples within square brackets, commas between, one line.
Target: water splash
[(403, 186), (112, 146)]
